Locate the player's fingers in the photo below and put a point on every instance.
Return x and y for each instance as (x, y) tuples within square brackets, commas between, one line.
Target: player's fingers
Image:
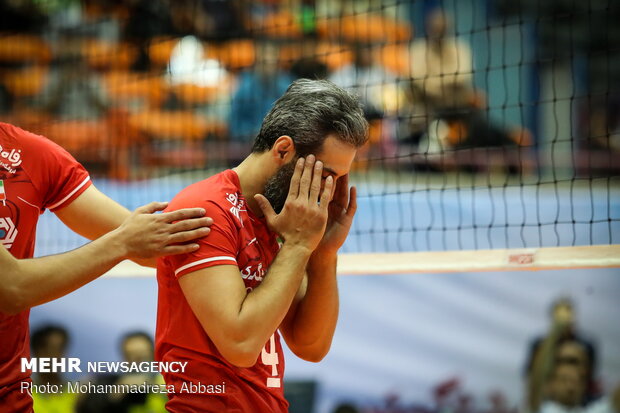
[(265, 206), (189, 224), (306, 178), (315, 186), (183, 214), (179, 249), (293, 190), (188, 235), (327, 192), (151, 207), (352, 202)]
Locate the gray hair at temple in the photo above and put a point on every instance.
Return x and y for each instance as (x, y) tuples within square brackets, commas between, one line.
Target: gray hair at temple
[(308, 112)]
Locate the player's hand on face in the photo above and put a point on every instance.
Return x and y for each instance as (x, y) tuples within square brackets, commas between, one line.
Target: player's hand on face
[(303, 218), (147, 235), (341, 212)]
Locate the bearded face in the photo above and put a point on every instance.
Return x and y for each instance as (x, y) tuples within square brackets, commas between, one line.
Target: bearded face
[(277, 187)]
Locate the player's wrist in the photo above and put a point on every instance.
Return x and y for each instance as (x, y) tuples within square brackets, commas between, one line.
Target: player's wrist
[(116, 245), (325, 253), (297, 248)]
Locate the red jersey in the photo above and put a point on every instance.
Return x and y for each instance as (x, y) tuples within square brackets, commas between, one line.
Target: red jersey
[(238, 238), (35, 174)]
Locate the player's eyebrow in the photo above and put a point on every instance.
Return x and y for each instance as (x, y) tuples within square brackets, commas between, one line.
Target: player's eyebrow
[(330, 170)]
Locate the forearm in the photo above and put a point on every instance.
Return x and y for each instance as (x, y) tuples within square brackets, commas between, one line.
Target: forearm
[(104, 215), (314, 322), (263, 309), (39, 280)]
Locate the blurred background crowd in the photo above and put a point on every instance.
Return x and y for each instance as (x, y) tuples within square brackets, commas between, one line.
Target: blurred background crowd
[(136, 88), (559, 375)]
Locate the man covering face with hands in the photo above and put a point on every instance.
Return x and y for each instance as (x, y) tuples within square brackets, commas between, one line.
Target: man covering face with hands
[(268, 267)]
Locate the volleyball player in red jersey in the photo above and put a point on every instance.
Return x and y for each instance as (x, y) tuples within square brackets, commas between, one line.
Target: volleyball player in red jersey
[(222, 308), (36, 174)]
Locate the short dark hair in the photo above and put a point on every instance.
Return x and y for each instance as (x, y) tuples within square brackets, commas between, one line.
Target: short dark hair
[(39, 337), (310, 110)]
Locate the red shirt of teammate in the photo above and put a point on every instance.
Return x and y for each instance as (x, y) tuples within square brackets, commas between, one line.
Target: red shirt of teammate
[(36, 174), (239, 238)]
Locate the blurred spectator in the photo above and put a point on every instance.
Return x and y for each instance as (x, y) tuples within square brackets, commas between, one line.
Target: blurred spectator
[(258, 89), (308, 66), (446, 394), (562, 344), (82, 19), (346, 408), (227, 18), (365, 78), (136, 347), (565, 391), (498, 403), (72, 91), (146, 19), (380, 95), (447, 110), (441, 66), (189, 65), (51, 341), (189, 17)]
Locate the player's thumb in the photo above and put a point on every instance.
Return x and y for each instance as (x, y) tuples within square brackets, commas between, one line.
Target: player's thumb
[(265, 206)]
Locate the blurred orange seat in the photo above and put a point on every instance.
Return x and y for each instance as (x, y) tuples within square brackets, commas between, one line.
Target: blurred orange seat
[(289, 53), (194, 94), (367, 27), (25, 82), (160, 50), (107, 55), (79, 135), (280, 24), (23, 48), (334, 55), (236, 54), (181, 125), (395, 57), (135, 91)]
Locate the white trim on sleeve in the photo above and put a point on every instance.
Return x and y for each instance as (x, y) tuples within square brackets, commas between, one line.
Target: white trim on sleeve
[(77, 188), (192, 264)]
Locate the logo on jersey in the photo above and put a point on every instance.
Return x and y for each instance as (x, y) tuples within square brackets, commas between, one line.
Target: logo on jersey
[(8, 232), (10, 160), (2, 193), (238, 205), (253, 273)]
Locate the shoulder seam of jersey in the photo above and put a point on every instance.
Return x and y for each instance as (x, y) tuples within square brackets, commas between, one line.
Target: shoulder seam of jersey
[(77, 188), (204, 261)]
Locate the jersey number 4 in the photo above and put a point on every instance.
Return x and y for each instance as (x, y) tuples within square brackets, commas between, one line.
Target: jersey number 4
[(270, 358)]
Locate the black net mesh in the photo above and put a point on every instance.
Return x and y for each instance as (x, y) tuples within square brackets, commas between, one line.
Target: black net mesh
[(493, 124)]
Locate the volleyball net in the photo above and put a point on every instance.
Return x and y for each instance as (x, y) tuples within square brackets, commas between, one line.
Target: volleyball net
[(494, 126)]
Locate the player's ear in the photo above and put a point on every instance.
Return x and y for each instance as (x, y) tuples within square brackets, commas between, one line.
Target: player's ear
[(283, 150)]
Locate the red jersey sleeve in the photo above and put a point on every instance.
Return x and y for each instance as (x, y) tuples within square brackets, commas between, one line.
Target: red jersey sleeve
[(59, 177), (219, 247)]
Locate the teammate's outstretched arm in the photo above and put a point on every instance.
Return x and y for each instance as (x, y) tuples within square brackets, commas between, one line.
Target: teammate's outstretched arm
[(94, 214), (143, 235), (240, 322)]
